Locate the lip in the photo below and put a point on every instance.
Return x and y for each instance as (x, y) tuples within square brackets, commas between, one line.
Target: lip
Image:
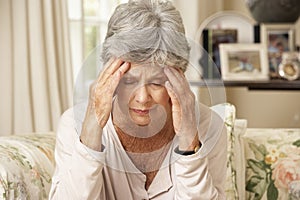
[(140, 111)]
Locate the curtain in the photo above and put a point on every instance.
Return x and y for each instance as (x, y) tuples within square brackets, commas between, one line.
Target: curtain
[(35, 65)]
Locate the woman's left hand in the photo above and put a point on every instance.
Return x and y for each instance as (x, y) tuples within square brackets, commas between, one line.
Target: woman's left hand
[(183, 108)]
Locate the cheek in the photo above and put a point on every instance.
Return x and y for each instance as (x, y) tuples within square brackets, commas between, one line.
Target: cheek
[(124, 94), (161, 97)]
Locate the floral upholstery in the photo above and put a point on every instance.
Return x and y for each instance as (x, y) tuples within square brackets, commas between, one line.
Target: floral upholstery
[(235, 127), (26, 166), (272, 158), (262, 163)]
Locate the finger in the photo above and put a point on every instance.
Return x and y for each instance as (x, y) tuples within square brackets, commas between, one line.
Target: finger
[(180, 76), (106, 66), (124, 68), (173, 96), (111, 84), (173, 75), (178, 81), (108, 63), (118, 75), (112, 65), (176, 72), (112, 68)]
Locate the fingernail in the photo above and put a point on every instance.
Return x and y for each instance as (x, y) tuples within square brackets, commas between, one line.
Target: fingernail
[(167, 68), (167, 84)]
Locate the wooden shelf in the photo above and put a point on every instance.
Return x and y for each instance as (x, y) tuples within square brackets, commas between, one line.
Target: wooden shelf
[(252, 85)]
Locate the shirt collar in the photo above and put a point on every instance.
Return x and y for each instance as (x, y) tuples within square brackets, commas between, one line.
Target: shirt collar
[(117, 158)]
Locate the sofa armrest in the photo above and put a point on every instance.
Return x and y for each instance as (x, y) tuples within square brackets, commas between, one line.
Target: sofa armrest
[(235, 179), (26, 166)]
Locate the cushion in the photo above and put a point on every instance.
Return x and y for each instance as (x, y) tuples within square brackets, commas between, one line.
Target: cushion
[(26, 166), (272, 159)]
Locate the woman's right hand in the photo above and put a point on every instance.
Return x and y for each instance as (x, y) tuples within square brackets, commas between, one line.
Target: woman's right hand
[(100, 102)]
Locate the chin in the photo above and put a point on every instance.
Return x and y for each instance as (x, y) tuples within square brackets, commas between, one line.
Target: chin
[(141, 121)]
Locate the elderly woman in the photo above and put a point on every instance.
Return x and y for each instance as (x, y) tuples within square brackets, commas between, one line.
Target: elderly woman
[(142, 136)]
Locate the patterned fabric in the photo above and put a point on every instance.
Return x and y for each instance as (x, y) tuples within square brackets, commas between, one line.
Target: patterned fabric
[(240, 127), (234, 128), (26, 166), (272, 158)]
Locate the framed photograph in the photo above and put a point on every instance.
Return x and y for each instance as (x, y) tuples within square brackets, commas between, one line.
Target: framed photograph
[(211, 40), (277, 38), (244, 62)]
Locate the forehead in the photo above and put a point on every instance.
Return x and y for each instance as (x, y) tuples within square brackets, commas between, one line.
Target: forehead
[(149, 70)]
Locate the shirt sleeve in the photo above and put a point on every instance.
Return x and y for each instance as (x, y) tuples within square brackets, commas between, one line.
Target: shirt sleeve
[(78, 174), (203, 174)]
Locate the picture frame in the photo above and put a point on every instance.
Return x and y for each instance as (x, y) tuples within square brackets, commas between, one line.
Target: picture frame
[(277, 38), (227, 19), (211, 40), (244, 62)]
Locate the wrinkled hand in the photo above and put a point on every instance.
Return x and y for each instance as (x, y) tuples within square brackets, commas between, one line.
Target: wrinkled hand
[(183, 108), (103, 89), (100, 102)]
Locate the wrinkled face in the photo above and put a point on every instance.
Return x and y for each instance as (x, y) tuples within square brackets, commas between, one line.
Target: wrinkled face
[(142, 95)]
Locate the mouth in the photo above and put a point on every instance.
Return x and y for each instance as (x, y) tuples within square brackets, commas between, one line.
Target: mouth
[(140, 111)]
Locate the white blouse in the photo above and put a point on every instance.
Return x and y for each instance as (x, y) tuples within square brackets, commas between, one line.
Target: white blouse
[(82, 173)]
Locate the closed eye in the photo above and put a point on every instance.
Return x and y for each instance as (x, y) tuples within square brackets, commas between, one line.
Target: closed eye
[(156, 84), (129, 81)]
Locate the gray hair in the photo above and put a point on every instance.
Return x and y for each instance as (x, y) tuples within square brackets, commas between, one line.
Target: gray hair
[(143, 31)]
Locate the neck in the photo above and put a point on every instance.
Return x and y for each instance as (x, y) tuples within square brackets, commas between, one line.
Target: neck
[(147, 154), (145, 145)]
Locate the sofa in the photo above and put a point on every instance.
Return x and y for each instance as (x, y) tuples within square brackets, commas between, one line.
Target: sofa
[(261, 163), (26, 166)]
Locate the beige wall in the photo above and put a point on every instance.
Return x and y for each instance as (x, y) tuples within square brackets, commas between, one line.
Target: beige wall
[(277, 109), (264, 108)]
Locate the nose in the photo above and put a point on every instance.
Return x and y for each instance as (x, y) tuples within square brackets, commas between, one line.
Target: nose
[(142, 94)]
